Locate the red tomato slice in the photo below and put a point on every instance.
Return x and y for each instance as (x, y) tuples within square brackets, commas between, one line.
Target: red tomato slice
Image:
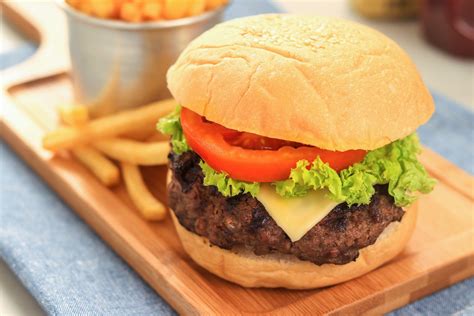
[(249, 157)]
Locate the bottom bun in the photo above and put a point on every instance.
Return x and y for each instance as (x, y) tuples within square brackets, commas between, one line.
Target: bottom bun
[(243, 267)]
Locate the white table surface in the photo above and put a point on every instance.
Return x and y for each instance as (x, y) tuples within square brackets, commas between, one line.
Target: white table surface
[(451, 76)]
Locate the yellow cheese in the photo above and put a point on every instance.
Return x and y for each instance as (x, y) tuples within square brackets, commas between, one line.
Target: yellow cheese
[(296, 216)]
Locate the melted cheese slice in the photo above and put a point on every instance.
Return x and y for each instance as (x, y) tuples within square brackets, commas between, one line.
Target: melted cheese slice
[(296, 216)]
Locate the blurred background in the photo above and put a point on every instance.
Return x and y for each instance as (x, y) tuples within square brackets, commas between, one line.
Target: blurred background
[(442, 71), (437, 34)]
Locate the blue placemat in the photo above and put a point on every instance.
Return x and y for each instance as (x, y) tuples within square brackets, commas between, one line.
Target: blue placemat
[(70, 271)]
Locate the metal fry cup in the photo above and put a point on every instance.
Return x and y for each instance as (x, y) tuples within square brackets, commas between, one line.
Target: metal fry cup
[(118, 65)]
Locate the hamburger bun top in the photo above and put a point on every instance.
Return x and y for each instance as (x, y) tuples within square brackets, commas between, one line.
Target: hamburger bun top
[(330, 83)]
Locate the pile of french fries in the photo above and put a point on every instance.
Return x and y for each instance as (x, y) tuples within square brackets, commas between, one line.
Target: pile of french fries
[(144, 10), (117, 144)]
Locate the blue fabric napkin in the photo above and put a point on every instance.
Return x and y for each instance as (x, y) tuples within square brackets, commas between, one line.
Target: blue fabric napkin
[(70, 271)]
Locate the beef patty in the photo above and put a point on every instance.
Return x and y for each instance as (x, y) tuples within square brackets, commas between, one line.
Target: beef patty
[(243, 221)]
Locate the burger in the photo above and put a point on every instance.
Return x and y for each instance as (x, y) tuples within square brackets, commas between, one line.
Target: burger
[(294, 154)]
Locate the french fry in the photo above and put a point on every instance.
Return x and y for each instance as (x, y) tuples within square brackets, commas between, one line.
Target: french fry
[(144, 10), (104, 8), (92, 159), (109, 126), (152, 9), (138, 3), (77, 115), (175, 9), (141, 134), (98, 164), (138, 153), (196, 7), (85, 6), (131, 12), (213, 4), (157, 137), (146, 203)]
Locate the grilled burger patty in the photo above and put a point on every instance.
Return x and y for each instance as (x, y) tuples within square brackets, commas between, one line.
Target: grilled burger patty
[(243, 221)]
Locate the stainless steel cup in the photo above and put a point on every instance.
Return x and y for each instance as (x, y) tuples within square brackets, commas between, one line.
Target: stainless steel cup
[(117, 65)]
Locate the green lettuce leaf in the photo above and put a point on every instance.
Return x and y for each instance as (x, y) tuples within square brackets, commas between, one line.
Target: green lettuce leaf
[(395, 164), (227, 186), (171, 125)]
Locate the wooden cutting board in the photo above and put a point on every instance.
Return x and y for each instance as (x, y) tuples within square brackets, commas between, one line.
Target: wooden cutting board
[(440, 253)]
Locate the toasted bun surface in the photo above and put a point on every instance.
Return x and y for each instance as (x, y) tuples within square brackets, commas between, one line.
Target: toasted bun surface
[(243, 267), (326, 82)]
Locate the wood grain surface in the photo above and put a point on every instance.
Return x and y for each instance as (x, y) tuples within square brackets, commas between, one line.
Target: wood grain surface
[(440, 253)]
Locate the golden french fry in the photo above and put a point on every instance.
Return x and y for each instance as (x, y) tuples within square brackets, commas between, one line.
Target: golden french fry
[(138, 153), (146, 203), (152, 9), (104, 8), (141, 134), (213, 4), (77, 115), (98, 164), (109, 126), (131, 12), (157, 137), (175, 9), (85, 6), (119, 3), (196, 7)]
